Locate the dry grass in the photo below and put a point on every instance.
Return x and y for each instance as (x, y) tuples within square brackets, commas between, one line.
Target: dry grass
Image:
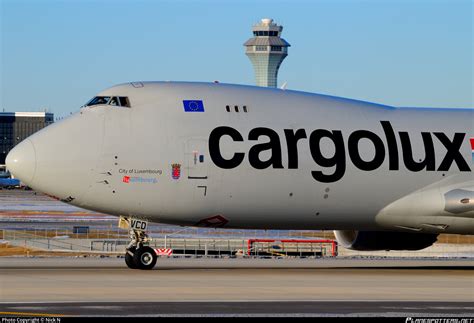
[(456, 239), (53, 233), (7, 250), (313, 234), (442, 238)]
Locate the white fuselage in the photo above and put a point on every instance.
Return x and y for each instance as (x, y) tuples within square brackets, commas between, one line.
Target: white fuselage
[(320, 169)]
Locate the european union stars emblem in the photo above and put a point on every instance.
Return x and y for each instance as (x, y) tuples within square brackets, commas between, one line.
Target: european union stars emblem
[(193, 106)]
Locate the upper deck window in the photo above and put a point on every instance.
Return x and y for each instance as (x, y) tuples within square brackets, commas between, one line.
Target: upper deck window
[(119, 101)]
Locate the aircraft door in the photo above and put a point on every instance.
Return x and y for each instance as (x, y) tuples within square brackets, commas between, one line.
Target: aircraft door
[(106, 176), (197, 159), (116, 132)]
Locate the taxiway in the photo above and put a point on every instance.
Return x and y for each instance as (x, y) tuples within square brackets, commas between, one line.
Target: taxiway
[(308, 287)]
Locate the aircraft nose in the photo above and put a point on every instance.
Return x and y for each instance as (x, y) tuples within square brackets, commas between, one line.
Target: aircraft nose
[(21, 161)]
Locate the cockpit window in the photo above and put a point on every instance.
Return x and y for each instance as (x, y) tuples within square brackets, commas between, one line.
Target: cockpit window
[(119, 101), (124, 101), (113, 101), (99, 100)]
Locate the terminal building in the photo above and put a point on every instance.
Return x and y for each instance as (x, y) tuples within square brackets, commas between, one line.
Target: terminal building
[(16, 126), (266, 50)]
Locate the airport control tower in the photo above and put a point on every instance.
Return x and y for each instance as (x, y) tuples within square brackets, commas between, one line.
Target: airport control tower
[(266, 50)]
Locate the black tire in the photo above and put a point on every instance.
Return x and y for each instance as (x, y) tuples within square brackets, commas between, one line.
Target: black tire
[(145, 258), (129, 258)]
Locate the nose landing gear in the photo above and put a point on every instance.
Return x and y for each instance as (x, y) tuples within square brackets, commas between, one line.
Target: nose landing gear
[(138, 255)]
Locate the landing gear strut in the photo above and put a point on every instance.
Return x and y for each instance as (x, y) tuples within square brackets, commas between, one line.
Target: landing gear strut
[(138, 254)]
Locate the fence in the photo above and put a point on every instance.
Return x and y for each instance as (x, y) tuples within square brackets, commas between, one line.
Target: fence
[(292, 247), (62, 240), (187, 244)]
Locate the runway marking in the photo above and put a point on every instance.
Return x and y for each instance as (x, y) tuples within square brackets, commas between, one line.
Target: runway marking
[(31, 314)]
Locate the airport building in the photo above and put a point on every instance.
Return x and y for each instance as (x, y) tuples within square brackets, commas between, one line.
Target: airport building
[(16, 126), (266, 50)]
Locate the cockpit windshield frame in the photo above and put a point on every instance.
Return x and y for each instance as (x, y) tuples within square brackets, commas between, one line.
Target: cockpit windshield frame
[(99, 100), (116, 101)]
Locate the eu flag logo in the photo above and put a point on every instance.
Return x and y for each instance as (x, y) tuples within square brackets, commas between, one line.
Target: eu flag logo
[(193, 106)]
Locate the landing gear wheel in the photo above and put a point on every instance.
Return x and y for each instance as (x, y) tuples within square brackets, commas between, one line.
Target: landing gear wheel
[(138, 254), (129, 258), (145, 258)]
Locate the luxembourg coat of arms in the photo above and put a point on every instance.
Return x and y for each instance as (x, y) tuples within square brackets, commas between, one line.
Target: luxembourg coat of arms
[(175, 171)]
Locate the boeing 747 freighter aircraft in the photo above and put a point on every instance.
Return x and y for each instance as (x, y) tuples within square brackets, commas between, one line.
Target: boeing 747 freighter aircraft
[(217, 155)]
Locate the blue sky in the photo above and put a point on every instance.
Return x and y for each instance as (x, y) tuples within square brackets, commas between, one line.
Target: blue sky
[(58, 54)]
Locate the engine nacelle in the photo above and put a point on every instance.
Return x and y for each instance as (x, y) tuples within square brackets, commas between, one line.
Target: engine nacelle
[(384, 240)]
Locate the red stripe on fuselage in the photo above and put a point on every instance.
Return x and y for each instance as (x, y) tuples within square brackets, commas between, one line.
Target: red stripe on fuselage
[(472, 143)]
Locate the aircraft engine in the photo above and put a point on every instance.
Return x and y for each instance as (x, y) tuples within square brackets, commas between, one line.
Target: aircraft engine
[(384, 240)]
